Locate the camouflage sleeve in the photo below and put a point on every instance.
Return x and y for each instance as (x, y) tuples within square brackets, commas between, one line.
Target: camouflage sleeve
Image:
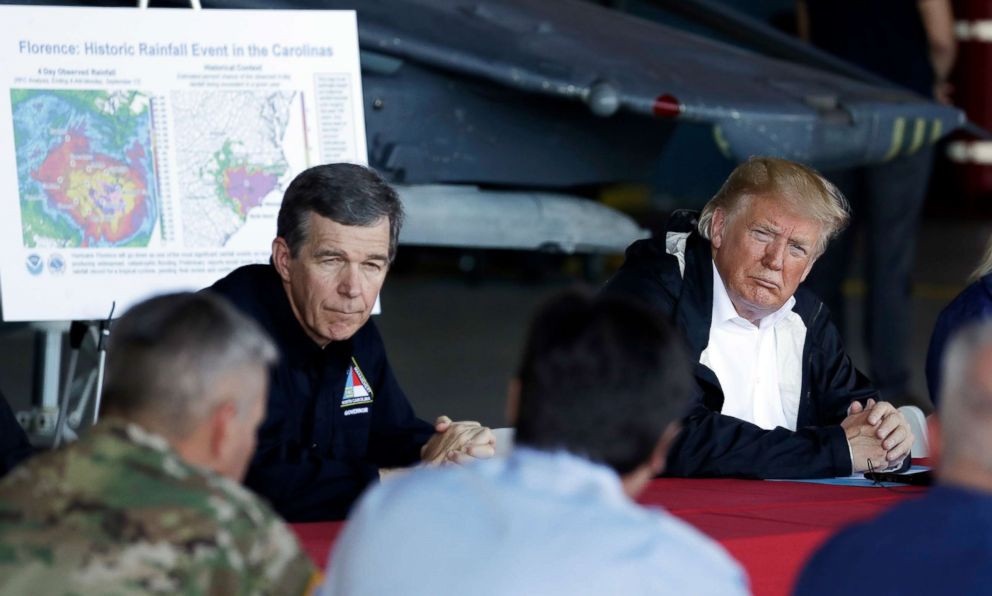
[(281, 566), (271, 557)]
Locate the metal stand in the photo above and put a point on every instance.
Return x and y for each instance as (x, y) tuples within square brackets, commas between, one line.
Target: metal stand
[(76, 418), (77, 332), (48, 361), (102, 360)]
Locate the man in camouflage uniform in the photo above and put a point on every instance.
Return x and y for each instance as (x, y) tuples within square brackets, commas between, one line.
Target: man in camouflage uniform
[(148, 501)]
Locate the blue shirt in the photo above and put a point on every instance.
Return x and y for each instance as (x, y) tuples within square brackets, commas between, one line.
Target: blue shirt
[(534, 523), (938, 544)]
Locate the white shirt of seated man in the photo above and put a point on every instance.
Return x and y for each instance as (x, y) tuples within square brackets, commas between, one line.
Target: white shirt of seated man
[(759, 366)]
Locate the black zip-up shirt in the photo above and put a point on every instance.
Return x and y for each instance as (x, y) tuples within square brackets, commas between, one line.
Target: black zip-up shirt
[(334, 415), (715, 444)]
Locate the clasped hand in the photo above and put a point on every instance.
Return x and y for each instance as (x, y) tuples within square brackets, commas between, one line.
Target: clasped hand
[(877, 432), (458, 442)]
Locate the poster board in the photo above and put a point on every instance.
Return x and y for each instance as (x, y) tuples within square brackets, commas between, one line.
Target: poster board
[(146, 151)]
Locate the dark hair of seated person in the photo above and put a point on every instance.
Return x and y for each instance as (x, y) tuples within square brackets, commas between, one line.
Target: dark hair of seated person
[(345, 193), (601, 377), (14, 444)]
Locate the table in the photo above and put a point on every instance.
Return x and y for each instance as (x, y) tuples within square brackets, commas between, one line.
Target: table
[(770, 527)]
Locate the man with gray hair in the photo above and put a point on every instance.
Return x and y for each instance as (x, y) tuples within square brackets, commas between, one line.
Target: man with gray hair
[(337, 416), (777, 396), (149, 499), (938, 544)]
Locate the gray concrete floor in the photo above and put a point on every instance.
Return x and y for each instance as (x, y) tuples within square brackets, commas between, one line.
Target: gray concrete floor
[(454, 342)]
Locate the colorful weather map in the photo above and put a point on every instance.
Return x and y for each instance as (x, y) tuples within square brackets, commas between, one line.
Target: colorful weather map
[(232, 158), (85, 167)]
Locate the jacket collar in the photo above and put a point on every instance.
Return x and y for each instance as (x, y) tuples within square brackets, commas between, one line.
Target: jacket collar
[(695, 307)]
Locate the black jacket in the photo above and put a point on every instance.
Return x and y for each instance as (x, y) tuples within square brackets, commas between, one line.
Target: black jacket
[(318, 448), (712, 444), (14, 445)]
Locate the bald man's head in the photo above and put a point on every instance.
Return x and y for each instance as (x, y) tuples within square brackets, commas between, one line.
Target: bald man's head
[(966, 397)]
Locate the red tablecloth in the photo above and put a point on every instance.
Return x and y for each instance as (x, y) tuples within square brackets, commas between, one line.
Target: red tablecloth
[(770, 527)]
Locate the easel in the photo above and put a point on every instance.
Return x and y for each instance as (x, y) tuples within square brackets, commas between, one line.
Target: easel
[(48, 351)]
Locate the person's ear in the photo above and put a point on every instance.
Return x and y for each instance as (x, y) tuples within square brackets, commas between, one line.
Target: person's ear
[(281, 257), (513, 401), (717, 225), (661, 449), (222, 429)]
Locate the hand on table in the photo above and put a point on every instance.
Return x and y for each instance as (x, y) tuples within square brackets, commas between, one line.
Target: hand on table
[(458, 443), (879, 432), (893, 429)]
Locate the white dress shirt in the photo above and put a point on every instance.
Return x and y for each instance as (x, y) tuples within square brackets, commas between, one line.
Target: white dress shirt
[(759, 366)]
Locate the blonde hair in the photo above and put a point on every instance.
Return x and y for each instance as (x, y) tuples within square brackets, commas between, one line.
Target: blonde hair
[(985, 266), (802, 187)]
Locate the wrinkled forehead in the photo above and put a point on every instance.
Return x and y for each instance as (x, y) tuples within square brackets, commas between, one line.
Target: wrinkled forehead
[(326, 231), (779, 211)]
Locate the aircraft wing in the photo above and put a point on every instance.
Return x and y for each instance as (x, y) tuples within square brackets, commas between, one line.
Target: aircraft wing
[(514, 102), (614, 63)]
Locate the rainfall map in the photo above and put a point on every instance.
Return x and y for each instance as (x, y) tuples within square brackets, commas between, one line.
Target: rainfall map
[(232, 158), (85, 167)]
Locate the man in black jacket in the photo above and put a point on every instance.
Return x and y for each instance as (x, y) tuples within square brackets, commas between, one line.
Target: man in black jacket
[(777, 396), (336, 416), (14, 445)]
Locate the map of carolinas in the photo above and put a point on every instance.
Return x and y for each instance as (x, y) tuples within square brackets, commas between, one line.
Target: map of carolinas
[(232, 158), (85, 167)]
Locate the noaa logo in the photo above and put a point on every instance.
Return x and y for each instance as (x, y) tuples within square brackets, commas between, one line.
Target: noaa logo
[(35, 264), (56, 264)]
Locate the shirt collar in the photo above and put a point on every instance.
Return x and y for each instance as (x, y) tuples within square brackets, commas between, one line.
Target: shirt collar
[(117, 439), (564, 473), (724, 311), (114, 438)]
